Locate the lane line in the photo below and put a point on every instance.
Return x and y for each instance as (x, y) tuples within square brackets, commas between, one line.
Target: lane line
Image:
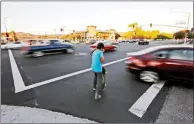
[(142, 104), (68, 75), (17, 78)]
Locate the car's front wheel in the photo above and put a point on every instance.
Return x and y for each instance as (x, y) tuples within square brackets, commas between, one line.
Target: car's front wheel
[(149, 76)]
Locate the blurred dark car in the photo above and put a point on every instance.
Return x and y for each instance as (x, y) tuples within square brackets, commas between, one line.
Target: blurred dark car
[(189, 42), (168, 62), (143, 42), (66, 41), (47, 47), (131, 41)]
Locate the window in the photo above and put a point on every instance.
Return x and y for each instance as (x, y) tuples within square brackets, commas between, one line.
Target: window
[(161, 54), (47, 42), (181, 55), (54, 40), (188, 55), (106, 43), (17, 43)]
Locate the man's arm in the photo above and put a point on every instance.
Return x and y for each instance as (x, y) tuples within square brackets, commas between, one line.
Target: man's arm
[(101, 57)]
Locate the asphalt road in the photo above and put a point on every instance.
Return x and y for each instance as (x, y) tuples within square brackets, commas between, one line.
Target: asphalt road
[(74, 95)]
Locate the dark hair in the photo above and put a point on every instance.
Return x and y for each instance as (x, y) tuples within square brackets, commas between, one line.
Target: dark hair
[(100, 46)]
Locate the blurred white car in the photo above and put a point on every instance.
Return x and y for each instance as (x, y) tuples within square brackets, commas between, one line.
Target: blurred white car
[(75, 42), (13, 45)]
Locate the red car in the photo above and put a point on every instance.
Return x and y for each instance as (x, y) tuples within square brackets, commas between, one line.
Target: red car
[(108, 46), (162, 62)]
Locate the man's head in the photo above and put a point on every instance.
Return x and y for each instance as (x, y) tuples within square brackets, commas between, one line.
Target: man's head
[(100, 46)]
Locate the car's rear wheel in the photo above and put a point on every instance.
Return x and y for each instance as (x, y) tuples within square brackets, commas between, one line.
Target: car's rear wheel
[(149, 76), (70, 50), (37, 54)]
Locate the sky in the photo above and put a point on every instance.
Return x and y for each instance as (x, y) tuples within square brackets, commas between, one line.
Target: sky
[(45, 17)]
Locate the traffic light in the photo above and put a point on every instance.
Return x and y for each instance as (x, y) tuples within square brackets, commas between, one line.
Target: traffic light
[(7, 35), (150, 24)]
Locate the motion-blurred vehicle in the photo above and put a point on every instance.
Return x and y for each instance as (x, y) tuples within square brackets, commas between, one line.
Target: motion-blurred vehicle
[(143, 42), (92, 41), (49, 46), (13, 45), (108, 45), (165, 62)]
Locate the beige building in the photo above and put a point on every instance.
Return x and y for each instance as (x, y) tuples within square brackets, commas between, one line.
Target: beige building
[(91, 33)]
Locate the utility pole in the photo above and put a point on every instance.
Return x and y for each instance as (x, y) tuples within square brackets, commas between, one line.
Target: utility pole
[(187, 28)]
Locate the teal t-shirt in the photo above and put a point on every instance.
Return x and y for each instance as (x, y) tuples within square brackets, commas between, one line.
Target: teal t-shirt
[(96, 63)]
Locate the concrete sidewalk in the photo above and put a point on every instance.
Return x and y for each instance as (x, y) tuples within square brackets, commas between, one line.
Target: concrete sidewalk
[(178, 107), (18, 114)]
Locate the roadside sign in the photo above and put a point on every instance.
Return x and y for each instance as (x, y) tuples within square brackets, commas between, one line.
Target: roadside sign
[(181, 23)]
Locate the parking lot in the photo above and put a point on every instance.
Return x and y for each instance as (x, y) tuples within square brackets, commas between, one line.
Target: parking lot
[(59, 83)]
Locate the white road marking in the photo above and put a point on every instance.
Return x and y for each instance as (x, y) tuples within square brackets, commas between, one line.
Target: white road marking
[(66, 76), (81, 54), (17, 78), (142, 104)]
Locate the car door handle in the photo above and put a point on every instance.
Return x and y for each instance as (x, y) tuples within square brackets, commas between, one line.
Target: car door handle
[(173, 63)]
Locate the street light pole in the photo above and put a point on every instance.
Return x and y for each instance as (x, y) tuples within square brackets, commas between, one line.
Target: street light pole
[(187, 28)]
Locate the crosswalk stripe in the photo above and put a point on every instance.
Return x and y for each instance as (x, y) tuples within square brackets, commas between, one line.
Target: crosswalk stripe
[(17, 78), (142, 104)]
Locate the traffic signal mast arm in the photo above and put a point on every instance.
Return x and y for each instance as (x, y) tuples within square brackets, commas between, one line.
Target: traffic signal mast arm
[(151, 25)]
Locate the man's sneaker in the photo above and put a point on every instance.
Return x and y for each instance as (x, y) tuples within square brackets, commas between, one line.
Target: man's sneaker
[(94, 89), (98, 97)]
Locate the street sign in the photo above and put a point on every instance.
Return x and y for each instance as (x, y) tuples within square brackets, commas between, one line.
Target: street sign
[(181, 23)]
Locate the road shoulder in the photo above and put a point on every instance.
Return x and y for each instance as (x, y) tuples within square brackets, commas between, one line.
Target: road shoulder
[(178, 107)]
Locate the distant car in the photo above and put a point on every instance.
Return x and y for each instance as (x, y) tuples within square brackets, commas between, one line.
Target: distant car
[(66, 41), (143, 42), (108, 45), (31, 41), (162, 62), (189, 42), (92, 41), (114, 42), (131, 41), (13, 45), (49, 46)]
